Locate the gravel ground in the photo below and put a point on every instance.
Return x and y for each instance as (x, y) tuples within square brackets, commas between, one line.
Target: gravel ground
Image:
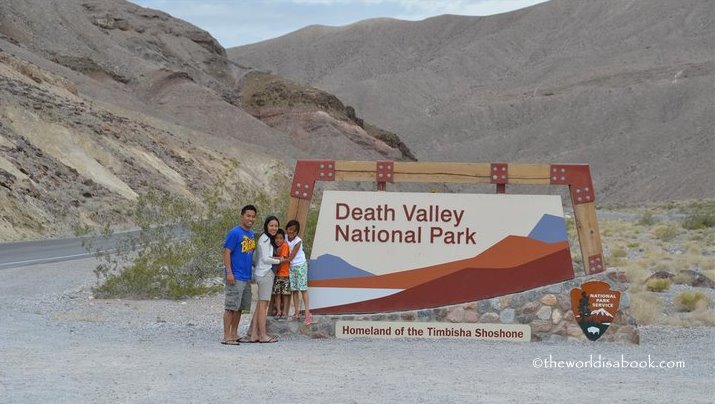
[(59, 345)]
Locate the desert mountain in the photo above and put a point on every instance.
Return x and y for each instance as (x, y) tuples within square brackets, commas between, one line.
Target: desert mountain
[(103, 100), (626, 86)]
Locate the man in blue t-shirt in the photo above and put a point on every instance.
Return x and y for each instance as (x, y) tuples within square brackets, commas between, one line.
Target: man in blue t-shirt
[(238, 259)]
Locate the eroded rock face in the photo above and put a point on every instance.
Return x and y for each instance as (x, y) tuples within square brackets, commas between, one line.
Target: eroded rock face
[(103, 100), (307, 113)]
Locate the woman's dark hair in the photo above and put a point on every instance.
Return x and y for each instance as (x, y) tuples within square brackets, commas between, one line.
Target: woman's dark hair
[(265, 226), (294, 223), (282, 233)]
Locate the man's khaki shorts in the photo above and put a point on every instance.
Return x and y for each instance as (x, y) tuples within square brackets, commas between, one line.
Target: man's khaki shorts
[(238, 296)]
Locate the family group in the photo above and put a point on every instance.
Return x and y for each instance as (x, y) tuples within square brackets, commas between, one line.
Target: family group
[(279, 267)]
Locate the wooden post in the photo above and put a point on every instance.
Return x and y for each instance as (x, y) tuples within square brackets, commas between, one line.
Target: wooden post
[(589, 238)]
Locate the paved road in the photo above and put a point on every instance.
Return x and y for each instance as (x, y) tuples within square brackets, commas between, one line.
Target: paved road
[(24, 253)]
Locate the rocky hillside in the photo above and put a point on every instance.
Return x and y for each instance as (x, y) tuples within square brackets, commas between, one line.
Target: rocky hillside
[(103, 100), (315, 118), (626, 86)]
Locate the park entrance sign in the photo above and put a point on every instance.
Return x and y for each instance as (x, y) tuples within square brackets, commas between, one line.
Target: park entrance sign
[(388, 251), (396, 251)]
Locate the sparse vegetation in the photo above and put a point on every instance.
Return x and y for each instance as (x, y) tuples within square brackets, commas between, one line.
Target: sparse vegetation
[(699, 215), (646, 218), (645, 307), (618, 253), (665, 232), (178, 250), (658, 285), (659, 240), (681, 278), (692, 300)]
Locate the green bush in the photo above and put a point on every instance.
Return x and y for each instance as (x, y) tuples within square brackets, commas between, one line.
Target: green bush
[(646, 219), (699, 215), (692, 300), (658, 285), (179, 247), (702, 220)]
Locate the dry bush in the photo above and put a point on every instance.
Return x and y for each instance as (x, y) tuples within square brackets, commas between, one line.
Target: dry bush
[(698, 318), (658, 285), (692, 300), (618, 253), (665, 232), (682, 279), (635, 273), (645, 307)]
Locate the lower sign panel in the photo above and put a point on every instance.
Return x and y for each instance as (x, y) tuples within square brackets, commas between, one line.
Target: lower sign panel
[(464, 331)]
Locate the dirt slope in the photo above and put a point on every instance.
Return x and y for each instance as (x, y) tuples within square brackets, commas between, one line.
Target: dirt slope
[(626, 86)]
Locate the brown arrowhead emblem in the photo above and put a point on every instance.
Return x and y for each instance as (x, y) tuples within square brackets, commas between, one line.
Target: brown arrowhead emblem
[(595, 306)]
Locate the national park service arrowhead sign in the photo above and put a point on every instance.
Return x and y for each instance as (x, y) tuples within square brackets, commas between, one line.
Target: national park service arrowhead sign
[(595, 306)]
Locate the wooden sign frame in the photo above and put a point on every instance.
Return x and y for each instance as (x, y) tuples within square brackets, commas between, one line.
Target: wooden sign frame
[(576, 176)]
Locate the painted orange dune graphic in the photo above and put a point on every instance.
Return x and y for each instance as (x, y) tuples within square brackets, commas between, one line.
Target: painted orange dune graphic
[(509, 253), (467, 285)]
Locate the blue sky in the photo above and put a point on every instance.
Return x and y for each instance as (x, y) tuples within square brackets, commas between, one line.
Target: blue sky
[(240, 22)]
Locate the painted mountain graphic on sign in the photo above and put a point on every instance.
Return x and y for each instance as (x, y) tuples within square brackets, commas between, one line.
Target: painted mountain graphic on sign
[(328, 266), (601, 312), (508, 253), (512, 265), (550, 229)]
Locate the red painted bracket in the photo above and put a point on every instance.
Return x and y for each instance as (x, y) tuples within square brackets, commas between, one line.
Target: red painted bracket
[(384, 171), (577, 177), (500, 173), (595, 264), (307, 172)]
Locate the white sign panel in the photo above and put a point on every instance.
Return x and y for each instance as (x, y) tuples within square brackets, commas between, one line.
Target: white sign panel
[(370, 245)]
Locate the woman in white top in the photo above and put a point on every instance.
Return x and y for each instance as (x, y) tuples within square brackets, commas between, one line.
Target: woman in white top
[(264, 279)]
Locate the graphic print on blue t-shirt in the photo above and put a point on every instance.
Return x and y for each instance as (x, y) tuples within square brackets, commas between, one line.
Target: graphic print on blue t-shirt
[(241, 243)]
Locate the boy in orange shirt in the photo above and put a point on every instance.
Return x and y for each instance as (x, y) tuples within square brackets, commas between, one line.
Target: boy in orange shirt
[(281, 286)]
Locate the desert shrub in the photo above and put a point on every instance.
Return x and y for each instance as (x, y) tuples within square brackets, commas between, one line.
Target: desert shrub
[(633, 245), (179, 246), (646, 218), (645, 307), (665, 232), (699, 215), (658, 285), (681, 278), (701, 220), (692, 300), (636, 272), (618, 253)]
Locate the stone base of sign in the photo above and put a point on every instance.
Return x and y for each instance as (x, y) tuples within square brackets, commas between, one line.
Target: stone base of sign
[(547, 310)]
